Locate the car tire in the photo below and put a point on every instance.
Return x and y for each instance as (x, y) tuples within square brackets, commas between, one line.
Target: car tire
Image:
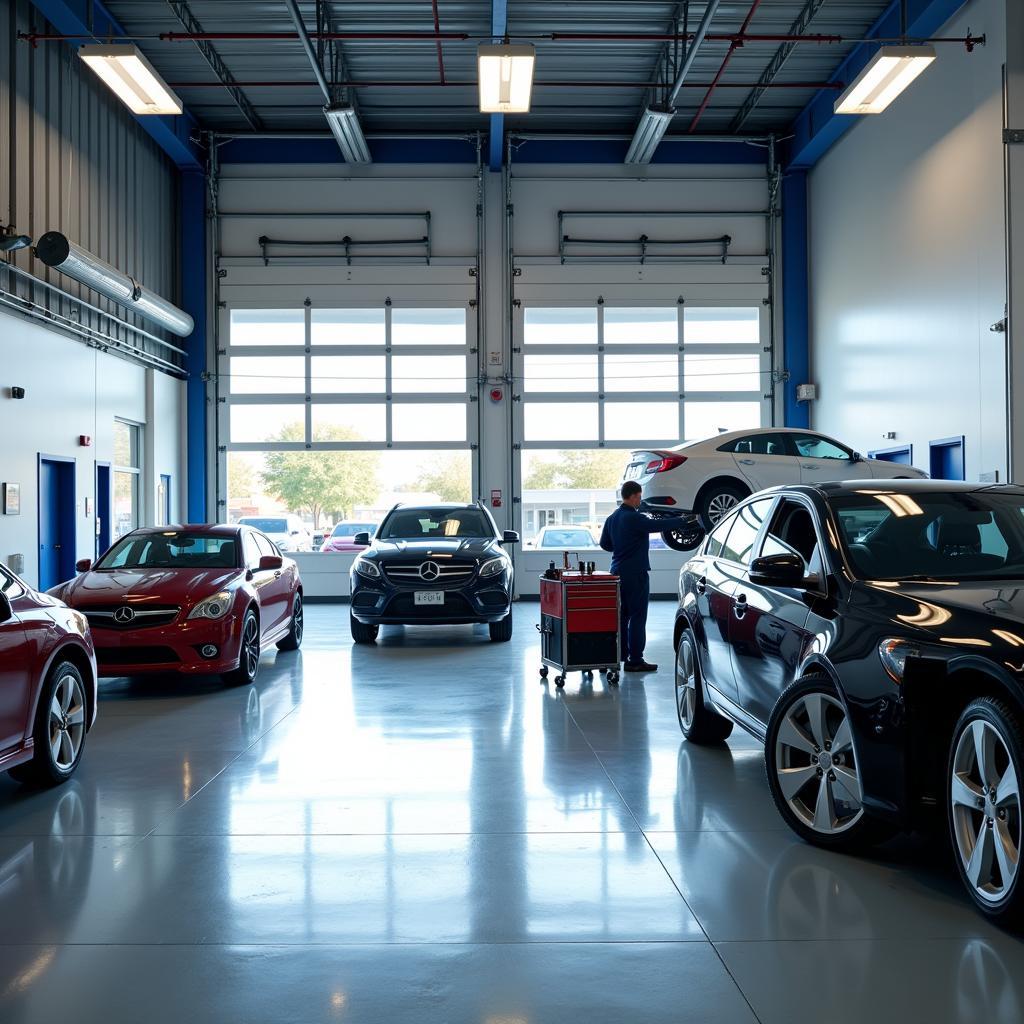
[(248, 653), (501, 631), (983, 800), (361, 632), (821, 799), (293, 641), (717, 500), (699, 724), (63, 694), (684, 540)]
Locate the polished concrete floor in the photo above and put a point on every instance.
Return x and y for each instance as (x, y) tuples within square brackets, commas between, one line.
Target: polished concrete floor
[(423, 831)]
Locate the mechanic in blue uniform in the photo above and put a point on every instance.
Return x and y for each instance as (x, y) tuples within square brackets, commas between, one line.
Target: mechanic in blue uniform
[(626, 535)]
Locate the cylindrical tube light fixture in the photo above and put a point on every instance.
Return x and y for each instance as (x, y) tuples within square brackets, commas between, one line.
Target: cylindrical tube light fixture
[(57, 251)]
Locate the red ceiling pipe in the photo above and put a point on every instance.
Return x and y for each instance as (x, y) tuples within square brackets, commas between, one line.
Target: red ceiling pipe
[(739, 38), (437, 33), (733, 46)]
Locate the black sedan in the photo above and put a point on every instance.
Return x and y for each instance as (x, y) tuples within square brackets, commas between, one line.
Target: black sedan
[(437, 564), (872, 635)]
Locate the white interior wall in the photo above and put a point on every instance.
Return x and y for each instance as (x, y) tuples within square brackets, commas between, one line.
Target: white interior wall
[(907, 262), (71, 390), (268, 194)]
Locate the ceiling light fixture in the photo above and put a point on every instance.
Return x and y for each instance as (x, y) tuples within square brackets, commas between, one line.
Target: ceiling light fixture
[(344, 123), (134, 80), (887, 74), (505, 78), (649, 133)]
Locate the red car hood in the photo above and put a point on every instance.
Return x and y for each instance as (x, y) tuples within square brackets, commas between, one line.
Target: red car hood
[(164, 586)]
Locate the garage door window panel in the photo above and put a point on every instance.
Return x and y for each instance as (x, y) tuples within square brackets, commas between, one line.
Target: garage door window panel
[(560, 325), (258, 423), (634, 421), (656, 325), (703, 372), (436, 422), (428, 327), (352, 375), (560, 421), (347, 327), (268, 327), (429, 374), (267, 375), (353, 422), (705, 419), (721, 326), (560, 374), (641, 373)]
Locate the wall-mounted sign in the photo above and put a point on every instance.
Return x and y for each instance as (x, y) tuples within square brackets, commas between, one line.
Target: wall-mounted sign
[(12, 499)]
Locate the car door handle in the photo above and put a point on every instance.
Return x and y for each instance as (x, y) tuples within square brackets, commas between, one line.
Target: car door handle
[(277, 574), (808, 465), (740, 606), (702, 584), (746, 462)]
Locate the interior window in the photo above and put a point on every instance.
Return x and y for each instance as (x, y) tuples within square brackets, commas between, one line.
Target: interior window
[(10, 586), (811, 446), (265, 544), (742, 536), (757, 444), (792, 532), (716, 538)]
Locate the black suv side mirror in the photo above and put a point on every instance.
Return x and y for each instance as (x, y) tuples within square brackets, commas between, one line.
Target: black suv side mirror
[(510, 537), (6, 611), (782, 570), (361, 540)]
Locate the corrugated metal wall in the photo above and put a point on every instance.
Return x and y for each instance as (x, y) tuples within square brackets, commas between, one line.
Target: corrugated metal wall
[(73, 159)]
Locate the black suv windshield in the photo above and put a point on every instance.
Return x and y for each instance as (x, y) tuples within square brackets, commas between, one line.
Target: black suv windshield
[(171, 551), (418, 523), (932, 535)]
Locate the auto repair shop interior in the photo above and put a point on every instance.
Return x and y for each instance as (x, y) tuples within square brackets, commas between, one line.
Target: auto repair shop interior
[(332, 335)]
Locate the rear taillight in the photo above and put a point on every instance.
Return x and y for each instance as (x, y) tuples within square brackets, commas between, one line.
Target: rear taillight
[(665, 463)]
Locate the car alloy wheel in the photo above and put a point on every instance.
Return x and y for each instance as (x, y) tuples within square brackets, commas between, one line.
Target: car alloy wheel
[(720, 505), (686, 685), (251, 646), (816, 766), (297, 620), (67, 722), (985, 807)]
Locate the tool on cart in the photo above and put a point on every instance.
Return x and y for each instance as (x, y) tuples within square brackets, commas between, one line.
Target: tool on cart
[(579, 621)]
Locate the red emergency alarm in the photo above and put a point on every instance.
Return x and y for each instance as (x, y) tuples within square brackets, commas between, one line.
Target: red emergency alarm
[(496, 394)]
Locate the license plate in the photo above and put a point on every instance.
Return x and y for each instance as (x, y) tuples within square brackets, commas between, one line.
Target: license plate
[(633, 470), (428, 597)]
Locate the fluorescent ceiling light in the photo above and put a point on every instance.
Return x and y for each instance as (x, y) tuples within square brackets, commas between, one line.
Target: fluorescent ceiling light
[(505, 76), (649, 132), (888, 73), (135, 81), (344, 123)]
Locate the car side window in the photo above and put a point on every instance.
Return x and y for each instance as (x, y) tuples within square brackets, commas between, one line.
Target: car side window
[(792, 532), (10, 586), (265, 544), (811, 446), (252, 552), (757, 444), (743, 535), (716, 538)]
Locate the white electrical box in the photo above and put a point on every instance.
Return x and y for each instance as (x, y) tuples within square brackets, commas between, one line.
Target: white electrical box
[(806, 392)]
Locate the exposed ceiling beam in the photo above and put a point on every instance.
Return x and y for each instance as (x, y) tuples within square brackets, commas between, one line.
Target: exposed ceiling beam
[(191, 24), (817, 127), (90, 20), (496, 149), (775, 65)]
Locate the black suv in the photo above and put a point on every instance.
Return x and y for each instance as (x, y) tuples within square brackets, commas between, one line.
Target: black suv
[(441, 564)]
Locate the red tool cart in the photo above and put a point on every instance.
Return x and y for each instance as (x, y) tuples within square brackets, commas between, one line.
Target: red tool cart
[(579, 623)]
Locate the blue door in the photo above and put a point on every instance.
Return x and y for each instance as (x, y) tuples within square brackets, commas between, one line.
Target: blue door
[(56, 521), (903, 455), (102, 507)]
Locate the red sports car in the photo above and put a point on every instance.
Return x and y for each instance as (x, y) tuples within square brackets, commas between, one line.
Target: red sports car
[(199, 599), (47, 684)]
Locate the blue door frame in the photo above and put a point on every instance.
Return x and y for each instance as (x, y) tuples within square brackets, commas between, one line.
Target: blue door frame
[(56, 521), (902, 454), (104, 504), (946, 458)]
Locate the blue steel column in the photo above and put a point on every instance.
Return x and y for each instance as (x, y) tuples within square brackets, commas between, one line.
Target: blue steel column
[(193, 297), (496, 149), (796, 340)]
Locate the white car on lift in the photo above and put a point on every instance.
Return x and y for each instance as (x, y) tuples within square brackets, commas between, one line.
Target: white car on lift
[(709, 477)]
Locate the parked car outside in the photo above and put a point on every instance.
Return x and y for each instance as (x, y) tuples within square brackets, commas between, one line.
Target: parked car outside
[(343, 536), (871, 635), (288, 532), (563, 538), (436, 564), (48, 679), (188, 599), (711, 476)]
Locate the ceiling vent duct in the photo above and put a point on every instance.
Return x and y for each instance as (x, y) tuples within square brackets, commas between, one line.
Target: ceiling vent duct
[(56, 251)]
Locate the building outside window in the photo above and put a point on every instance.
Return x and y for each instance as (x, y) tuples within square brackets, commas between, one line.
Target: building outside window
[(127, 477)]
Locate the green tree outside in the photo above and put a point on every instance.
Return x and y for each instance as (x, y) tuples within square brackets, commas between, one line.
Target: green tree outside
[(587, 470), (316, 483), (447, 476)]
